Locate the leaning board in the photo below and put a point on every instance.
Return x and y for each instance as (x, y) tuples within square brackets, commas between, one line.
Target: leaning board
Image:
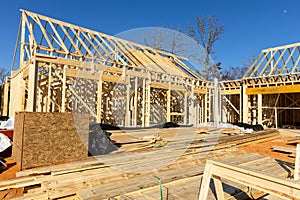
[(48, 138)]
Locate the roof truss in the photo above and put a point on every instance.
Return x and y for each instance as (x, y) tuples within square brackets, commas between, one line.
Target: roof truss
[(282, 60), (51, 37)]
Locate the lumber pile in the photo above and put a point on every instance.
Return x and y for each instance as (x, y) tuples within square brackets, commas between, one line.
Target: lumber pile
[(180, 161)]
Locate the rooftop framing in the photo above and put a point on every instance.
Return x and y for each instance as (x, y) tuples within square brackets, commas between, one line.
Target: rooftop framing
[(56, 57), (282, 60), (43, 35), (63, 64)]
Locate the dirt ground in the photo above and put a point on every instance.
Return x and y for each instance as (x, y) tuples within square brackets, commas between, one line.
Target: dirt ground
[(265, 148), (7, 174)]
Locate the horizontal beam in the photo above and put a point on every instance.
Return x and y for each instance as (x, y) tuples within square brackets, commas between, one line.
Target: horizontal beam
[(87, 65), (228, 92), (282, 47), (88, 75), (199, 91), (274, 89), (160, 86), (166, 86), (261, 181), (177, 114)]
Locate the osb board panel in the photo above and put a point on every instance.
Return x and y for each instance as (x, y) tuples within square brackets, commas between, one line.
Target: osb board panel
[(47, 138), (17, 139)]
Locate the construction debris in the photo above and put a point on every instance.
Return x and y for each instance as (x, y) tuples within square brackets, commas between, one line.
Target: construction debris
[(5, 142), (7, 125)]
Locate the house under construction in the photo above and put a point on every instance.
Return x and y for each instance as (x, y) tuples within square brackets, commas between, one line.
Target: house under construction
[(67, 68)]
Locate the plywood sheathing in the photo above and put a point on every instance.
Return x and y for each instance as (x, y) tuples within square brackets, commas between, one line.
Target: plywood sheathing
[(47, 138)]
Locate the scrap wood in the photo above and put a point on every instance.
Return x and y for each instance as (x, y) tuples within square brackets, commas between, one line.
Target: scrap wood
[(284, 149)]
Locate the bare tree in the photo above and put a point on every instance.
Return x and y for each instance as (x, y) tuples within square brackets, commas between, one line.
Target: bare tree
[(3, 74), (167, 40), (232, 73), (206, 32)]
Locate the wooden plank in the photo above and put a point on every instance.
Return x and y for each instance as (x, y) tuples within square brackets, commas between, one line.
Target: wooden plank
[(274, 89), (46, 138), (65, 180), (159, 85), (199, 91), (231, 91), (245, 104), (177, 88), (168, 105), (99, 99), (205, 181), (64, 90), (87, 65), (219, 188), (297, 163), (264, 182), (284, 149), (88, 75)]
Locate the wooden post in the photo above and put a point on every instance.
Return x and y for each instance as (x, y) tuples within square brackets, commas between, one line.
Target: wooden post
[(254, 111), (193, 112), (241, 105), (245, 104), (148, 99), (297, 163), (224, 110), (22, 42), (5, 98), (205, 107), (259, 108), (144, 103), (99, 99), (127, 113), (216, 116), (32, 87), (135, 101), (64, 89), (148, 104), (276, 121), (169, 104), (219, 188), (205, 181), (185, 107), (48, 108)]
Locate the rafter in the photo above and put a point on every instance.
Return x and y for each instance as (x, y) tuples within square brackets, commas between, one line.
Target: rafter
[(61, 39), (282, 60)]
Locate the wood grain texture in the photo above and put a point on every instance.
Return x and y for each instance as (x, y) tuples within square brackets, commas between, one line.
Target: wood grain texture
[(47, 138)]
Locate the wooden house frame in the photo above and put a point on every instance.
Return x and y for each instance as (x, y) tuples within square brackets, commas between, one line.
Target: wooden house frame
[(269, 91), (67, 68)]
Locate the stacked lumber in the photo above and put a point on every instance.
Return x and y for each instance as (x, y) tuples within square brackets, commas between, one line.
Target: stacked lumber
[(180, 161), (188, 188)]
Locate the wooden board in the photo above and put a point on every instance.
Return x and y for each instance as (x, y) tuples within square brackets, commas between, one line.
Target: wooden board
[(46, 138), (284, 149), (274, 89)]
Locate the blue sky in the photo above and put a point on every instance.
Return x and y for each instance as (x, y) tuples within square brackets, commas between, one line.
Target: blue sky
[(250, 25)]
